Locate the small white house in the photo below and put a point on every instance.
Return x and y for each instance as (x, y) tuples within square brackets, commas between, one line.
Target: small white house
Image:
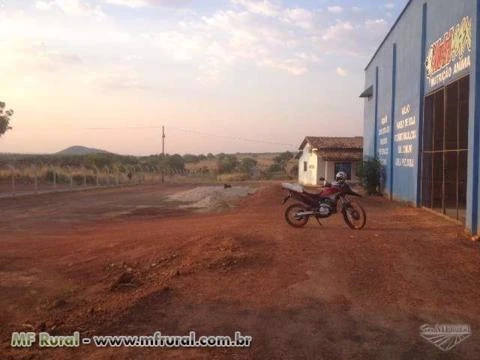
[(325, 156)]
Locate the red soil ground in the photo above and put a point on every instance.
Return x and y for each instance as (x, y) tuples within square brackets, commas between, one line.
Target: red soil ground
[(312, 293)]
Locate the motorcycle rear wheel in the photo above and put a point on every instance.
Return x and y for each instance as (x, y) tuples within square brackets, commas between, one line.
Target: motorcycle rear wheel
[(355, 216), (292, 218)]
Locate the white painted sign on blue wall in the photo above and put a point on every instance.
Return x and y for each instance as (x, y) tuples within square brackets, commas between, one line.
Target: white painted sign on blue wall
[(383, 133), (405, 137)]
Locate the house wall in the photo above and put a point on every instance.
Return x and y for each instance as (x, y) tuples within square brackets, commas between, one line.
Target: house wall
[(330, 171), (308, 177), (393, 117), (321, 169)]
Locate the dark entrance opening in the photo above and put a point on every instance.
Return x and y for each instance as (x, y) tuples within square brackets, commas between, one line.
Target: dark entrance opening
[(345, 167), (445, 150)]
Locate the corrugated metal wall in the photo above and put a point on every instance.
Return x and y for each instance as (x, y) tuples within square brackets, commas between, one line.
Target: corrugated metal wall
[(407, 67)]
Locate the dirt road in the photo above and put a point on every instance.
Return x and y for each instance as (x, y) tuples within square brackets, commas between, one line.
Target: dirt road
[(118, 261)]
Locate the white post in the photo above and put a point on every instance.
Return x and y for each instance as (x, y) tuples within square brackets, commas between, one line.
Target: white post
[(35, 179)]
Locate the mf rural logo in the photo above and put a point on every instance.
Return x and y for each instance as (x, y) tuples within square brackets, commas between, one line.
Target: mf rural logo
[(453, 47), (445, 337)]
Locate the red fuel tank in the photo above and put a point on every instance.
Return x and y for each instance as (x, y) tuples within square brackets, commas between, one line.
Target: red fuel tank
[(329, 191)]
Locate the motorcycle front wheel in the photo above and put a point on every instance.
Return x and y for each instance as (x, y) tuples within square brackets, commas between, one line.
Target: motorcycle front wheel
[(354, 216), (292, 218)]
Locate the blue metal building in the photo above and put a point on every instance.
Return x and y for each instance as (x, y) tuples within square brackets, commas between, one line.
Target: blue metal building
[(421, 115)]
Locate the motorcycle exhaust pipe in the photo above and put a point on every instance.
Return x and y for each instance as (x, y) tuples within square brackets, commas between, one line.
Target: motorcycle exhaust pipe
[(306, 213)]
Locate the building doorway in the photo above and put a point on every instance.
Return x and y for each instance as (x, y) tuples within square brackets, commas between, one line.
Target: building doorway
[(345, 167), (445, 150)]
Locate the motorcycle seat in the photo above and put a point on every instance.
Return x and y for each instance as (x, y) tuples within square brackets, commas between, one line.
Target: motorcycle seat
[(293, 187)]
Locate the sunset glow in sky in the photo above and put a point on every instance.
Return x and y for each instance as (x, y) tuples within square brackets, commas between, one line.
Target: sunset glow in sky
[(109, 73)]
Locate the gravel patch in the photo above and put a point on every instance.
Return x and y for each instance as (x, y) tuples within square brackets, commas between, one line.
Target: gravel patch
[(211, 197)]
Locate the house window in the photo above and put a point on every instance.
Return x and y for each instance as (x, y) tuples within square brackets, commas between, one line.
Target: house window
[(305, 166), (345, 167)]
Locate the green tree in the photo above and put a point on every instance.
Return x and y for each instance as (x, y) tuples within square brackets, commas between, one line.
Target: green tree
[(283, 158), (369, 172), (5, 116), (189, 158), (175, 162), (247, 164), (227, 163), (275, 168)]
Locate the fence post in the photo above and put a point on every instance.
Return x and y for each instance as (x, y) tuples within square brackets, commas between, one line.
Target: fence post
[(12, 174), (84, 178), (55, 179), (96, 176), (35, 179), (71, 178), (108, 175)]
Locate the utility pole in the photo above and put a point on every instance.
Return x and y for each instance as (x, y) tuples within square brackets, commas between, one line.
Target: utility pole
[(163, 154)]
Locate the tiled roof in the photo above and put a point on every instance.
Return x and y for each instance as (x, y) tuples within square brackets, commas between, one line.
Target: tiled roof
[(329, 155), (333, 143)]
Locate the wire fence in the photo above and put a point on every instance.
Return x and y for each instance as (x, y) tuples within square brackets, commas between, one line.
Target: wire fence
[(15, 181)]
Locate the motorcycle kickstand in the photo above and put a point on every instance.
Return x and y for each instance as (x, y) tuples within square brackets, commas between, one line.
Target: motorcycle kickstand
[(318, 220)]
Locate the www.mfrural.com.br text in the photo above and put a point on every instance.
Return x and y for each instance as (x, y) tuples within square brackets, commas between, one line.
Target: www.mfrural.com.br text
[(46, 340)]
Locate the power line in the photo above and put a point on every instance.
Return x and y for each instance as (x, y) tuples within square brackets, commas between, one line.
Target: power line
[(222, 136), (231, 137)]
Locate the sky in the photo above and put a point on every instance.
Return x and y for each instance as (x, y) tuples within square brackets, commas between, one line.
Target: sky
[(220, 75)]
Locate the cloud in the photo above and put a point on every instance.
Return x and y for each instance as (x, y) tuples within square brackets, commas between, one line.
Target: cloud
[(142, 3), (338, 30), (390, 5), (25, 55), (264, 34), (119, 82), (350, 38), (335, 9), (260, 33), (133, 58), (44, 5), (230, 37), (261, 7), (118, 78), (308, 57), (357, 9), (71, 7), (376, 25), (341, 72), (292, 66), (177, 45), (72, 31), (299, 17)]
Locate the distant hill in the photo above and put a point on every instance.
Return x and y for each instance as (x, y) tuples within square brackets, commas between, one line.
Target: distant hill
[(80, 150)]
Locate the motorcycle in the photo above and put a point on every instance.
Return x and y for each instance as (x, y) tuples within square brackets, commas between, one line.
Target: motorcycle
[(333, 199)]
